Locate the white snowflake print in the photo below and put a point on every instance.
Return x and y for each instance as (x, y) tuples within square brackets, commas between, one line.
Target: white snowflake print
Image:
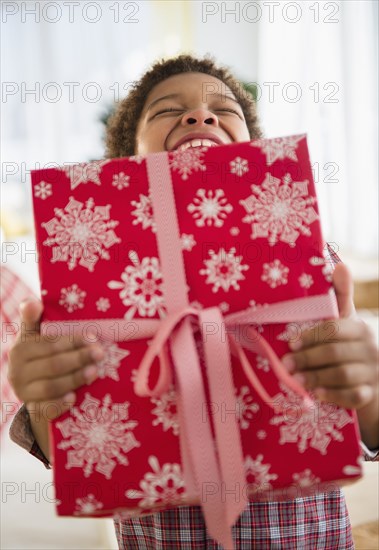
[(327, 267), (254, 306), (305, 478), (316, 261), (81, 234), (144, 213), (224, 307), (234, 231), (113, 355), (103, 304), (327, 271), (351, 470), (261, 434), (100, 435), (209, 209), (245, 407), (239, 166), (84, 173), (196, 304), (293, 331), (189, 160), (259, 471), (278, 148), (87, 505), (279, 209), (163, 485), (263, 363), (43, 190), (224, 270), (275, 274), (72, 298), (166, 412), (121, 180), (141, 287), (305, 280), (315, 427), (137, 158), (188, 241)]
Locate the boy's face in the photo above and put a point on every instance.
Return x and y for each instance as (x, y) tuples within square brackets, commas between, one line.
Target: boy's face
[(186, 107)]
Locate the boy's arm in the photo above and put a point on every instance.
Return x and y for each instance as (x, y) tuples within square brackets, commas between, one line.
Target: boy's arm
[(22, 433), (43, 373), (370, 455), (367, 415), (343, 367)]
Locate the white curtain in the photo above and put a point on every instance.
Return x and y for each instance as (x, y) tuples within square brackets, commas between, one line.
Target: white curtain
[(63, 65), (326, 51), (320, 60)]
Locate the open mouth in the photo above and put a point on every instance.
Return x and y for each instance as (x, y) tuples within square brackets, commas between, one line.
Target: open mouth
[(196, 143)]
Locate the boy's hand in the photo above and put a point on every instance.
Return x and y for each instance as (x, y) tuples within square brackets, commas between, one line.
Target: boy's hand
[(43, 373), (338, 359)]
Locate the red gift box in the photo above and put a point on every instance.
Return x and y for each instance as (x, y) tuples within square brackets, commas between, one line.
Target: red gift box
[(194, 268)]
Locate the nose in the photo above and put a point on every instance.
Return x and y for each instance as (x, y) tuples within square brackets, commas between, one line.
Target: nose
[(199, 117)]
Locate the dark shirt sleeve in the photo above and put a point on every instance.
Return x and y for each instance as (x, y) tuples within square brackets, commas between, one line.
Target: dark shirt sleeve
[(21, 433)]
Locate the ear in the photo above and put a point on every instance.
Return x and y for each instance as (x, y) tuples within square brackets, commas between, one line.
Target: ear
[(344, 289)]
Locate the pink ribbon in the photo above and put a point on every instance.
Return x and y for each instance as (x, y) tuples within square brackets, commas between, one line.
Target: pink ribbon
[(213, 466), (204, 469), (221, 465)]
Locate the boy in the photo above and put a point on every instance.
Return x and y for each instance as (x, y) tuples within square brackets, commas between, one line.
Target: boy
[(186, 100)]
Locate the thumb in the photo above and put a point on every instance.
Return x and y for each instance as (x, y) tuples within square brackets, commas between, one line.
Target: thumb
[(30, 311), (344, 289)]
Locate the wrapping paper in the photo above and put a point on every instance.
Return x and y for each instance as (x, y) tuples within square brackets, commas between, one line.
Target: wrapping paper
[(194, 268)]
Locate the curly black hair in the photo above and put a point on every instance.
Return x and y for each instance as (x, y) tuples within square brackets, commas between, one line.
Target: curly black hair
[(121, 128)]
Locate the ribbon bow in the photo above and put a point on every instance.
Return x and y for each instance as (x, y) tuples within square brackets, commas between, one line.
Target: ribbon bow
[(216, 474)]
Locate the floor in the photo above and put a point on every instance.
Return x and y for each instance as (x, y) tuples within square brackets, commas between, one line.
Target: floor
[(366, 537)]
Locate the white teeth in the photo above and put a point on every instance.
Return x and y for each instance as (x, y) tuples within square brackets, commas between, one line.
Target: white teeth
[(184, 146), (197, 143), (208, 143)]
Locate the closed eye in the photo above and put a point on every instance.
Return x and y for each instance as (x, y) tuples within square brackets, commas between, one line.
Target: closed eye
[(229, 111), (170, 110)]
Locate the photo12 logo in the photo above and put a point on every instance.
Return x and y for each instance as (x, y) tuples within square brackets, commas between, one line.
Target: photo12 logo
[(255, 12), (69, 12), (53, 92)]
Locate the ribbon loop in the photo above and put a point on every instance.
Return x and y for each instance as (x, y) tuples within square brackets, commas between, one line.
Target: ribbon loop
[(157, 347), (258, 344)]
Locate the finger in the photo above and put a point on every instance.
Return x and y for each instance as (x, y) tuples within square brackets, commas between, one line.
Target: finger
[(325, 355), (344, 289), (30, 312), (61, 364), (56, 388), (44, 346), (333, 330), (338, 377), (351, 398), (50, 410)]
